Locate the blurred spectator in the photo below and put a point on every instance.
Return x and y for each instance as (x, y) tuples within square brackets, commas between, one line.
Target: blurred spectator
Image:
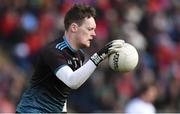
[(142, 103)]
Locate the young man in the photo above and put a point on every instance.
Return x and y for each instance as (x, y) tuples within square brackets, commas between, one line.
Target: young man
[(60, 65)]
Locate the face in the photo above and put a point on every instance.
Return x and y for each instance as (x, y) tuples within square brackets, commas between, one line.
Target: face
[(152, 94), (86, 32)]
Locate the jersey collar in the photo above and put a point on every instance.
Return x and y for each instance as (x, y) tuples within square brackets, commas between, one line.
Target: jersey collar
[(69, 46)]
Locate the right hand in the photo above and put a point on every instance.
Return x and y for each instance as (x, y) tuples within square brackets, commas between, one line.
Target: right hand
[(109, 48)]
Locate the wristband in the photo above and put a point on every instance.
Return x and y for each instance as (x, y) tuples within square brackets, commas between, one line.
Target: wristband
[(96, 59)]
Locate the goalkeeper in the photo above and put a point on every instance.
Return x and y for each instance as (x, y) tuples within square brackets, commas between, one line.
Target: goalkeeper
[(60, 67)]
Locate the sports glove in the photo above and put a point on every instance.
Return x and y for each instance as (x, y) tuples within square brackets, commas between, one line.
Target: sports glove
[(109, 48)]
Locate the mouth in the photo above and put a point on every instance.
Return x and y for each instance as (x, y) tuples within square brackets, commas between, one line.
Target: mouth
[(90, 40)]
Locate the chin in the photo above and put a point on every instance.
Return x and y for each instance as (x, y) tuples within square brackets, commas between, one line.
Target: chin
[(87, 45)]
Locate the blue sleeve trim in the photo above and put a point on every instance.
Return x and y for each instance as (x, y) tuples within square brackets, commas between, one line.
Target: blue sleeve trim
[(55, 71)]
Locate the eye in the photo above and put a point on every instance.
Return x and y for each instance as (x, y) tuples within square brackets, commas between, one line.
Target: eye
[(90, 29)]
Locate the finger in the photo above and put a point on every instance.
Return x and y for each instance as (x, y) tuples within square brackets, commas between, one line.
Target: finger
[(114, 49), (115, 42), (118, 43), (117, 46), (122, 41)]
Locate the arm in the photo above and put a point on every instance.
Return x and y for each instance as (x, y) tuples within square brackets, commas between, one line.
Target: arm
[(74, 79)]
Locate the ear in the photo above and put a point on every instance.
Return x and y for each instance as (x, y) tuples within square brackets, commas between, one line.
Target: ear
[(74, 27)]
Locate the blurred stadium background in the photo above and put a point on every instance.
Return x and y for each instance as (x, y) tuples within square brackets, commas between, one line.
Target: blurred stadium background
[(152, 26)]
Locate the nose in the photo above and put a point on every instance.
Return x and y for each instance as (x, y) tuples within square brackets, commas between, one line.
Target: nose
[(93, 33)]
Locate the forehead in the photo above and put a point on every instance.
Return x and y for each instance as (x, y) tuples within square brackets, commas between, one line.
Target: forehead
[(89, 22)]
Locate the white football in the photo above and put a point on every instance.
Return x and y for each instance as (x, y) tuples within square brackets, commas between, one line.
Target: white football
[(125, 60)]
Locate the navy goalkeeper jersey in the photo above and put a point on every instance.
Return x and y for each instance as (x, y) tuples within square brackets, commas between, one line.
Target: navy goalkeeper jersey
[(47, 93)]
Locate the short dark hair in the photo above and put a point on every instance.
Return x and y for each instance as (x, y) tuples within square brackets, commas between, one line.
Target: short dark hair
[(144, 87), (77, 14)]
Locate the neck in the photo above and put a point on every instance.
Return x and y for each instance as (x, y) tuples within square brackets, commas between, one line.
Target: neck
[(71, 40)]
